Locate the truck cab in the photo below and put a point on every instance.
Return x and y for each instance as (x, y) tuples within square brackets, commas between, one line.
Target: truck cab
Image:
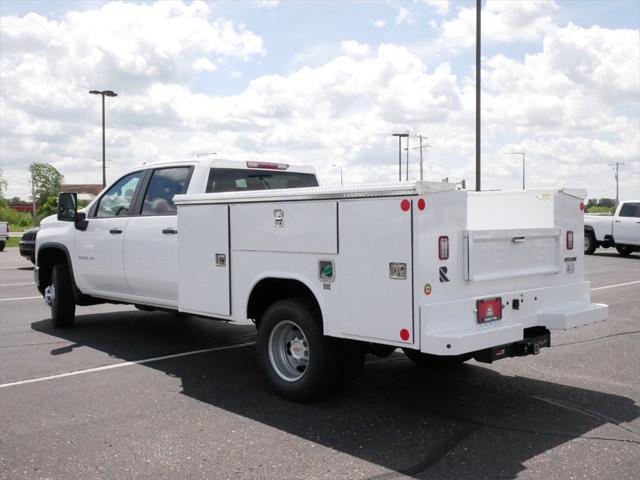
[(129, 232), (620, 230)]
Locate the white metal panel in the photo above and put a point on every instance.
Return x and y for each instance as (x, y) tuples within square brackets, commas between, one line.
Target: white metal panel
[(151, 258), (373, 306), (306, 227), (510, 209), (503, 254), (203, 286), (98, 264)]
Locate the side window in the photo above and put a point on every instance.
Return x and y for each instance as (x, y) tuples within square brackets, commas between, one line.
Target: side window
[(241, 180), (164, 184), (117, 201), (630, 210)]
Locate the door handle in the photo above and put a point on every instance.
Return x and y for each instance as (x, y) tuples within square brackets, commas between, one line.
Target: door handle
[(518, 239), (169, 230), (617, 221), (115, 231)]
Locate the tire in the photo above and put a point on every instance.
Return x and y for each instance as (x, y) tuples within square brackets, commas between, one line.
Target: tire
[(426, 360), (59, 296), (299, 362), (2, 244), (625, 250), (590, 244)]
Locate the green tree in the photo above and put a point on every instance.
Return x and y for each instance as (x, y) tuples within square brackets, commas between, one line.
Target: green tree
[(46, 181)]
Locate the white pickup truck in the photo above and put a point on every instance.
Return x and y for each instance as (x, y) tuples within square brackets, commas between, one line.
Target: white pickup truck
[(622, 230), (326, 273)]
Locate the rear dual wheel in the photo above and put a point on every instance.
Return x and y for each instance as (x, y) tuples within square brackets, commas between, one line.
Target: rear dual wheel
[(300, 363)]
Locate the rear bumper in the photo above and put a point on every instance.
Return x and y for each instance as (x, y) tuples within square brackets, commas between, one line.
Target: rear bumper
[(451, 328)]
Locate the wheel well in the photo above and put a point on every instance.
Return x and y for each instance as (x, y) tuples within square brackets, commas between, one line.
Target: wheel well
[(47, 258), (588, 230), (270, 290)]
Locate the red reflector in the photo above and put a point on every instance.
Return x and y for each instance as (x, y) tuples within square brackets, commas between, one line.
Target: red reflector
[(268, 165), (443, 248), (422, 204), (404, 334), (405, 205), (569, 240), (489, 309), (582, 206)]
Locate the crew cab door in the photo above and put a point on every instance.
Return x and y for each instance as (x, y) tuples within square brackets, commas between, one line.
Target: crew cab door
[(98, 266), (150, 241), (626, 225)]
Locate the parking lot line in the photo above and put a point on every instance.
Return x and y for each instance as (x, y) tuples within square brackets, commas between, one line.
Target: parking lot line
[(17, 298), (124, 364), (15, 284), (635, 282)]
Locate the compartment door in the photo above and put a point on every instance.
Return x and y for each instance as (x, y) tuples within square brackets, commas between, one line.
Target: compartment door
[(374, 305), (203, 259), (511, 253)]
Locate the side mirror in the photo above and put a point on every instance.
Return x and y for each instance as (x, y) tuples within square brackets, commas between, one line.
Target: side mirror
[(67, 205), (68, 210)]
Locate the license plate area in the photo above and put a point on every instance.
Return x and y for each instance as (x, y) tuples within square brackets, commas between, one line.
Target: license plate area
[(489, 310)]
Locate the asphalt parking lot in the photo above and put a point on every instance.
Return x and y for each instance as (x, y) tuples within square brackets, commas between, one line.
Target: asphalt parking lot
[(571, 412)]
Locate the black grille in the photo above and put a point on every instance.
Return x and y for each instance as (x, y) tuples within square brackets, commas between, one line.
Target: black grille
[(29, 235)]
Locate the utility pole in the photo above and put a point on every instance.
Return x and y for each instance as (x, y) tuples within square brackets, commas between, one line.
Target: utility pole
[(617, 164), (400, 136), (421, 148), (478, 167), (104, 93), (519, 153)]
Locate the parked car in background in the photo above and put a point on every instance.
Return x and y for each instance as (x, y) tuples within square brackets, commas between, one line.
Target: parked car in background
[(4, 234), (27, 244), (620, 230)]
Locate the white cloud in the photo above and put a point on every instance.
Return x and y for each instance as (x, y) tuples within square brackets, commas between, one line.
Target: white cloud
[(379, 23), (502, 21), (571, 105), (204, 65), (404, 15), (354, 48), (441, 6)]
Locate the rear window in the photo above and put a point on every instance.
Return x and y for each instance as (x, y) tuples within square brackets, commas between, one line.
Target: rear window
[(240, 180), (630, 210)]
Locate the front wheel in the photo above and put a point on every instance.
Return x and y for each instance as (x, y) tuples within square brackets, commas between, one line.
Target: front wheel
[(589, 243), (624, 250), (427, 360), (59, 296), (300, 363)]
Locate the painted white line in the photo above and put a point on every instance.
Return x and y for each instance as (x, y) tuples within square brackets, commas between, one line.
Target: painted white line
[(15, 284), (123, 364), (635, 282), (17, 299)]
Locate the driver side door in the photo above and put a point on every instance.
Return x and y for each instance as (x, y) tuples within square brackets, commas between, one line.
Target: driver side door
[(99, 267)]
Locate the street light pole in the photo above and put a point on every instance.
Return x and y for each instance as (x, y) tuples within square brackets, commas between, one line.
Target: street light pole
[(617, 164), (400, 136), (107, 93), (519, 153), (478, 92), (340, 167)]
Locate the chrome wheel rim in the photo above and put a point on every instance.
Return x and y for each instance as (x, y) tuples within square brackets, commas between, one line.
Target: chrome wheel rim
[(49, 295), (288, 351)]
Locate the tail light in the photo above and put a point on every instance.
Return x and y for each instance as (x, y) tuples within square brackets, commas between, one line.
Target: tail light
[(443, 248), (569, 240), (268, 165)]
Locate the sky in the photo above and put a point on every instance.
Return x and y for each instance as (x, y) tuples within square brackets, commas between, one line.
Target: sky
[(326, 83)]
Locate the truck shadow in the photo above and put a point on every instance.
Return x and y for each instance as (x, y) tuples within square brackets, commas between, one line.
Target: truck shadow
[(411, 422)]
